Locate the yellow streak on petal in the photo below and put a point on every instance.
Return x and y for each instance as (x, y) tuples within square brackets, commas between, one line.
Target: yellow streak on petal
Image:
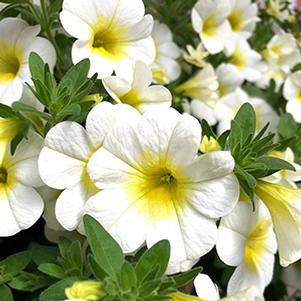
[(209, 26), (236, 20), (238, 59), (10, 61), (256, 244), (131, 98)]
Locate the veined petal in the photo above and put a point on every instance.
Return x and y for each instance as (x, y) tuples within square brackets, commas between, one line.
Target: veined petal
[(120, 216), (284, 205), (214, 198), (58, 170)]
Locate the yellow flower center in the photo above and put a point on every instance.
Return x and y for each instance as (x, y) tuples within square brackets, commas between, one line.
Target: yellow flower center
[(256, 244), (10, 61), (160, 75), (131, 98), (108, 40), (238, 59), (157, 193), (3, 175), (209, 26), (236, 20)]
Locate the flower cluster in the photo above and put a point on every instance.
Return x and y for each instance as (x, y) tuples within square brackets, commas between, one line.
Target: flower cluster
[(164, 135)]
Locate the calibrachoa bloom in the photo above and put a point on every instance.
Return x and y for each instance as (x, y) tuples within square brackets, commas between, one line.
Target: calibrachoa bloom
[(243, 17), (112, 34), (17, 41), (138, 93), (246, 240), (292, 92), (64, 158), (167, 52), (20, 204), (209, 20), (154, 186), (284, 205)]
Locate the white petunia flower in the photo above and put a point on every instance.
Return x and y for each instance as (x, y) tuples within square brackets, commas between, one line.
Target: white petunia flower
[(284, 205), (229, 105), (247, 61), (286, 178), (203, 89), (138, 93), (282, 52), (112, 34), (166, 53), (20, 204), (292, 93), (17, 41), (154, 186), (246, 241), (209, 20), (243, 17), (64, 158)]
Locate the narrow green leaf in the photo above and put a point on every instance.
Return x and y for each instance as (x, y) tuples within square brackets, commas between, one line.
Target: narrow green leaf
[(128, 278), (157, 254), (105, 249), (98, 272), (52, 270), (44, 254), (6, 111), (186, 277)]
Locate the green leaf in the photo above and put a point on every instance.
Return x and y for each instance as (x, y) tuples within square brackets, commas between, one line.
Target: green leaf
[(98, 272), (207, 130), (5, 293), (128, 278), (52, 270), (6, 111), (157, 254), (14, 264), (246, 119), (29, 282), (36, 66), (44, 254), (275, 164), (24, 108), (57, 290), (186, 277), (105, 249), (287, 126)]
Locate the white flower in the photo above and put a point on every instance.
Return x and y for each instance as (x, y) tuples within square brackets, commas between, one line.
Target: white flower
[(63, 160), (243, 17), (20, 204), (155, 187), (285, 177), (112, 34), (209, 20), (166, 53), (282, 52), (229, 105), (203, 89), (284, 205), (229, 79), (292, 92), (17, 41), (247, 61), (246, 240), (138, 93)]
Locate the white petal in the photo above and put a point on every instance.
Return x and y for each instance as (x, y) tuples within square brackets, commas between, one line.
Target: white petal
[(103, 117), (120, 216), (58, 170), (142, 77), (71, 139), (116, 87), (202, 111), (205, 288), (26, 204), (214, 198), (69, 207), (11, 91)]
